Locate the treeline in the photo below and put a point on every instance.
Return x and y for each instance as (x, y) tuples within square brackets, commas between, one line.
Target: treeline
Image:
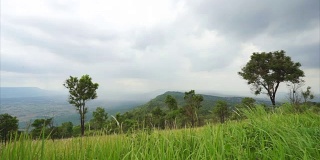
[(172, 116)]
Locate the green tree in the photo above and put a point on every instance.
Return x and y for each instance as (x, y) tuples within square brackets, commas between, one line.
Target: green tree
[(42, 126), (100, 117), (267, 70), (173, 112), (248, 102), (80, 91), (193, 103), (8, 125), (158, 118), (171, 102), (307, 94), (221, 110), (65, 130)]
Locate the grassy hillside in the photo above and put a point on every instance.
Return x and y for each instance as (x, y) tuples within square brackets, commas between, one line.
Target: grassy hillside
[(277, 135)]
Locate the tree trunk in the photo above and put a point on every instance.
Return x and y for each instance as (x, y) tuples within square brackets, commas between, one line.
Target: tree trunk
[(82, 126), (82, 120), (272, 98), (192, 120)]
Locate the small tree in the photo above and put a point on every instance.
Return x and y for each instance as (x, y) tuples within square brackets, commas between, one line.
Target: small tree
[(222, 110), (100, 117), (80, 91), (42, 126), (65, 130), (294, 94), (171, 102), (267, 70), (193, 103), (248, 102), (307, 94), (8, 125), (158, 117)]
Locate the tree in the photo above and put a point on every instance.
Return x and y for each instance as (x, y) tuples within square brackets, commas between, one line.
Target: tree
[(8, 125), (222, 110), (248, 102), (42, 126), (65, 130), (307, 94), (81, 90), (158, 118), (267, 70), (171, 102), (193, 103), (294, 95), (100, 117)]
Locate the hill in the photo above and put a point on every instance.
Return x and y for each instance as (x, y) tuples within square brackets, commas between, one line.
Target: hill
[(207, 104)]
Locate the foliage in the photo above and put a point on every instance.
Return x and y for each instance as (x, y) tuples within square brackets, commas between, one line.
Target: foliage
[(8, 125), (267, 70), (80, 91), (307, 94), (248, 102), (158, 118), (65, 130), (171, 102), (42, 127), (100, 117), (222, 110), (193, 103)]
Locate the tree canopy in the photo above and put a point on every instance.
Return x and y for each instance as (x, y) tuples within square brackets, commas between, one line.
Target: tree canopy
[(265, 71), (80, 91), (222, 110), (100, 117), (171, 102), (8, 124), (307, 94), (42, 126), (193, 103)]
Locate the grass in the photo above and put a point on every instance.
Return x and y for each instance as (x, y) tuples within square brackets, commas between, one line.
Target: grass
[(264, 135)]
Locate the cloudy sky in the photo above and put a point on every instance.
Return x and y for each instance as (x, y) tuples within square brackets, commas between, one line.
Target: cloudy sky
[(142, 46)]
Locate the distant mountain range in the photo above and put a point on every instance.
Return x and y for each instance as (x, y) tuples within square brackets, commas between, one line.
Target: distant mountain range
[(29, 103), (18, 92)]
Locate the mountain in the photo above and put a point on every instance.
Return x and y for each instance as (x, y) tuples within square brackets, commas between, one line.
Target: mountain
[(18, 92)]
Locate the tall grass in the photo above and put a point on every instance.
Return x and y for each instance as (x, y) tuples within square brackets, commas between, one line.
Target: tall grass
[(277, 135)]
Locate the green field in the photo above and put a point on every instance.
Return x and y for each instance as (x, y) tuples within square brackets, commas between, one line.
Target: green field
[(276, 135)]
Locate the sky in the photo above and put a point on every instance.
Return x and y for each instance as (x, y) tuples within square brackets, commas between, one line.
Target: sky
[(151, 46)]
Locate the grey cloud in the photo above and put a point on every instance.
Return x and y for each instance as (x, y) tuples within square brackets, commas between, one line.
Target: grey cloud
[(248, 18), (60, 39), (147, 38), (167, 54), (308, 55)]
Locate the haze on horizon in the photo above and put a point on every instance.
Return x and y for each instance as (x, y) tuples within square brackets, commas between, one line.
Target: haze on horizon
[(148, 46)]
